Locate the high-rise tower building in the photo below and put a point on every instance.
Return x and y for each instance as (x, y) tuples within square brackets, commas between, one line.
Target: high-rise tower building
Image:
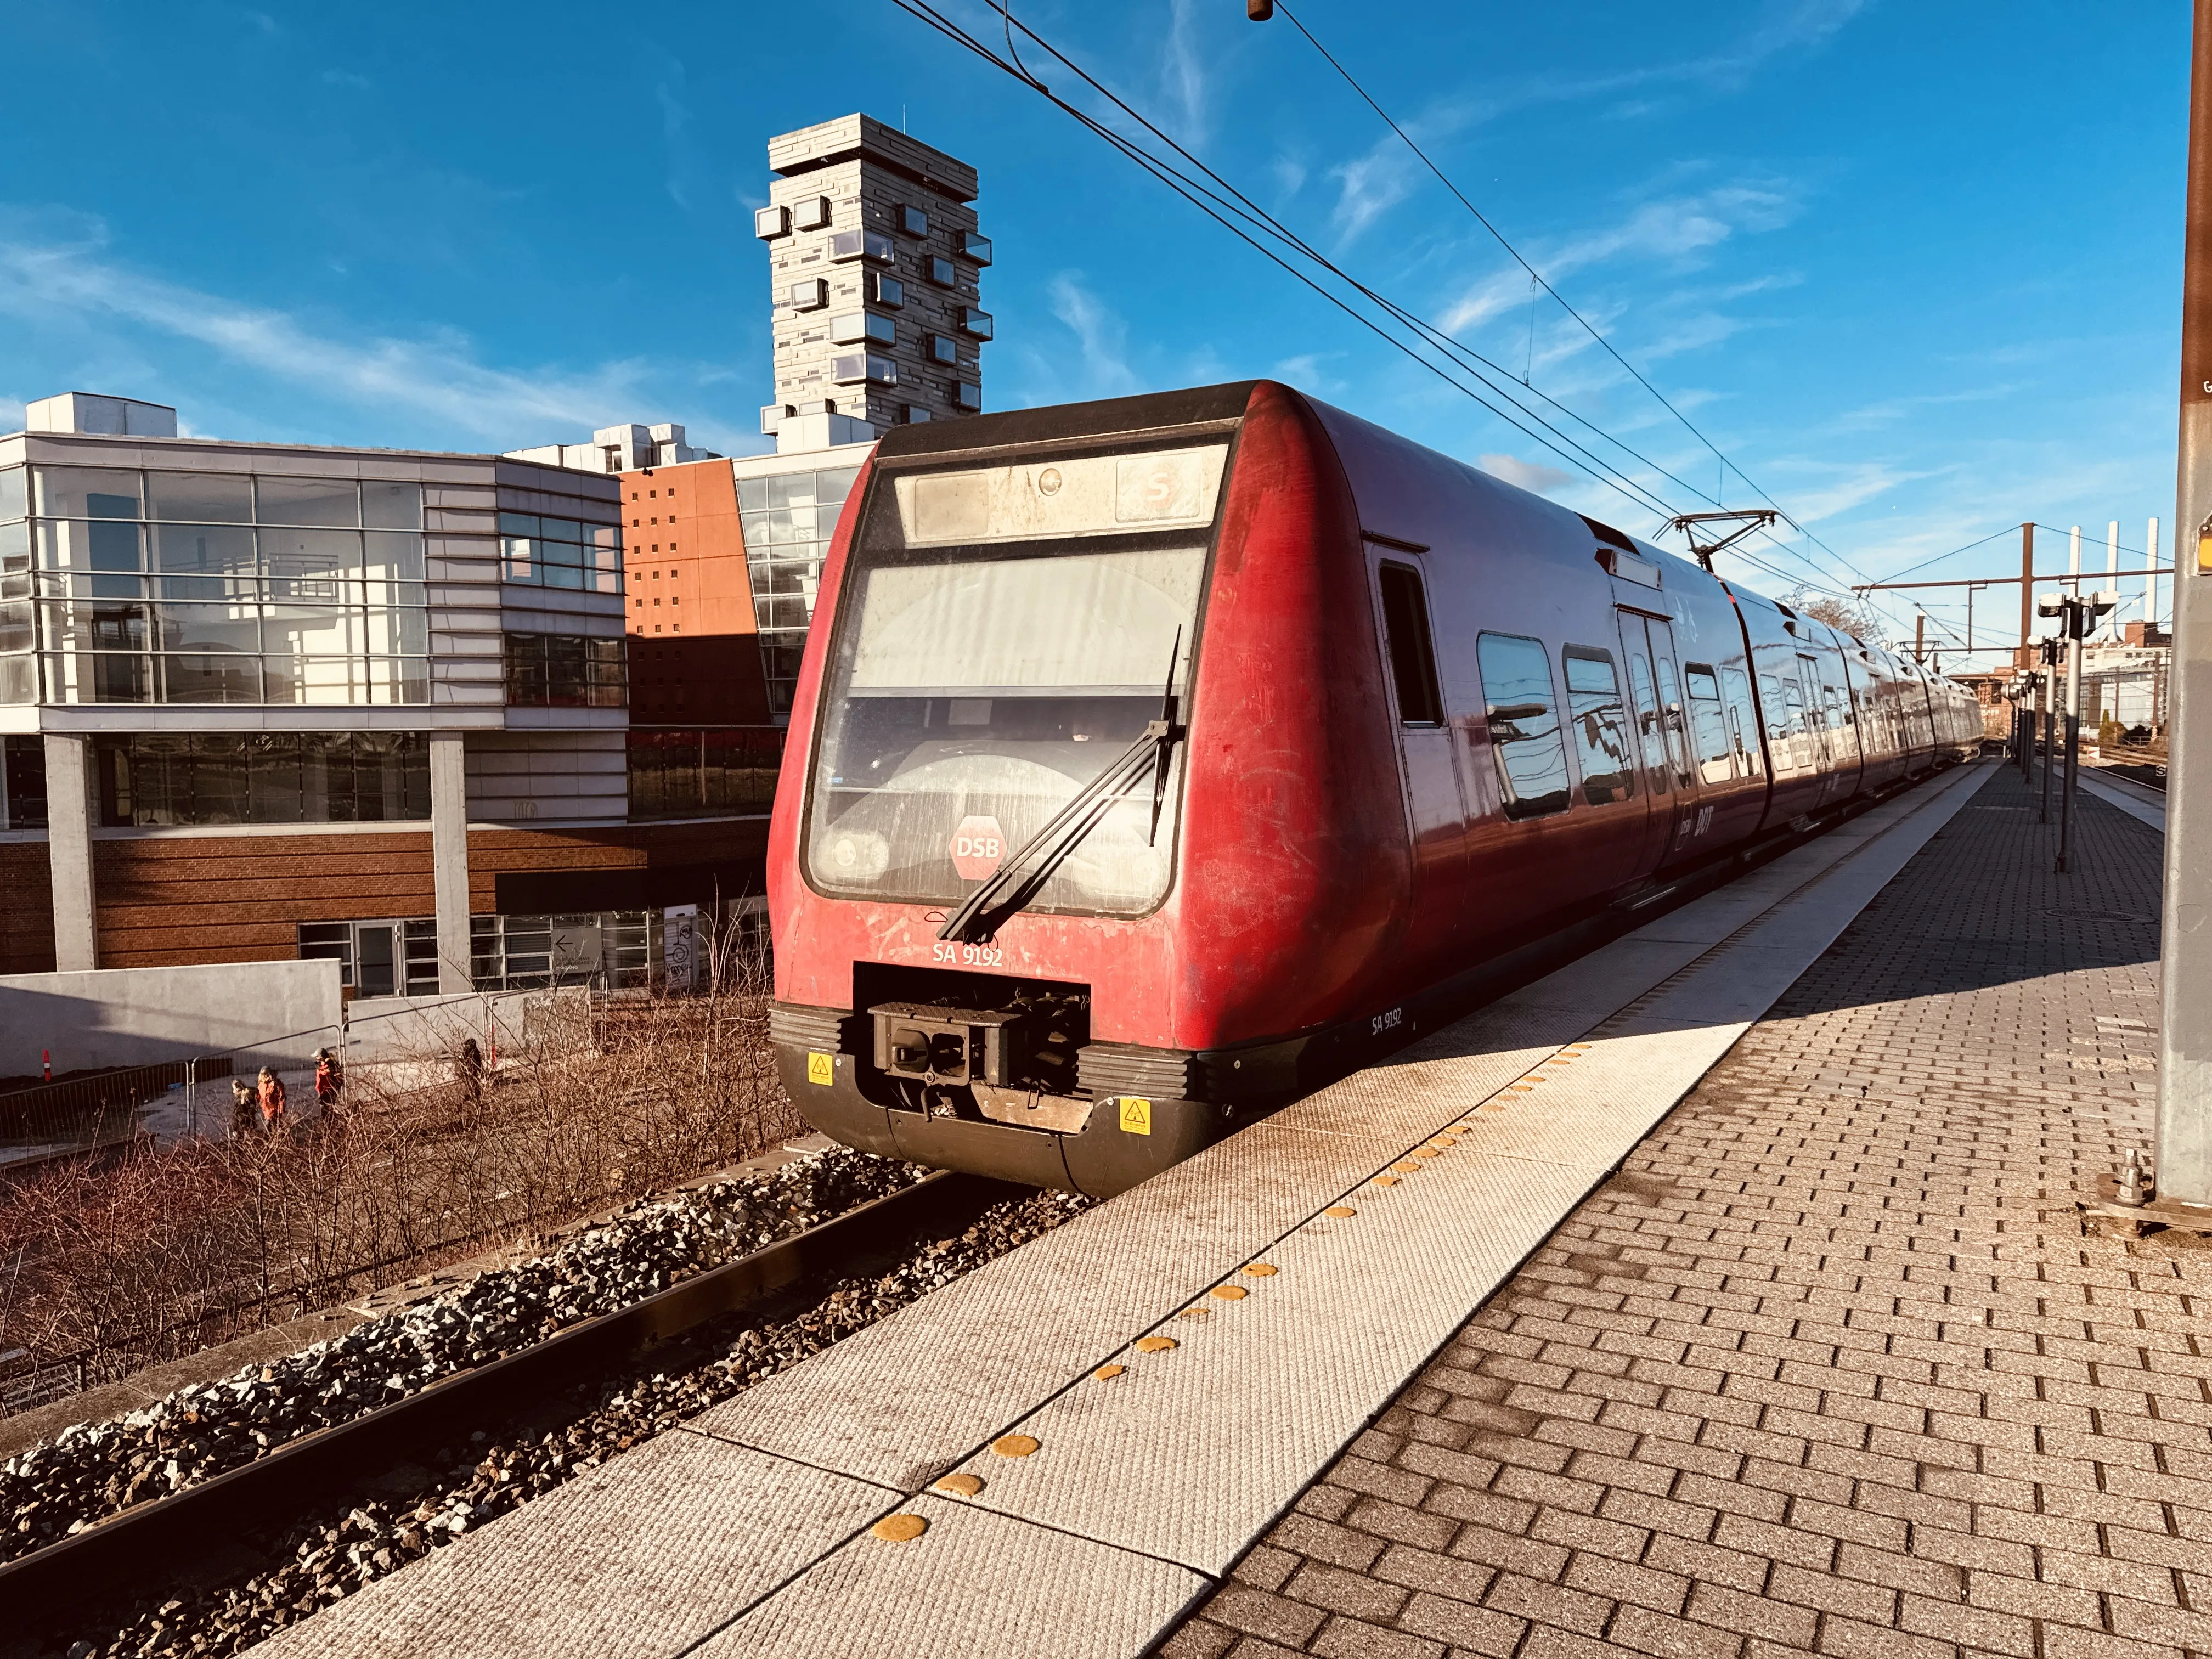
[(874, 256)]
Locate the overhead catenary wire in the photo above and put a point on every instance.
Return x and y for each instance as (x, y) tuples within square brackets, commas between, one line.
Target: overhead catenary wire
[(1536, 275), (1227, 204), (1221, 208)]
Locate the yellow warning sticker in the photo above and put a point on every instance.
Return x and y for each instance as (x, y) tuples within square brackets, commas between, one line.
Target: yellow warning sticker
[(822, 1069), (1136, 1116)]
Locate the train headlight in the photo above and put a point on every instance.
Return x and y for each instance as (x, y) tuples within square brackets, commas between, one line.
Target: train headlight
[(860, 854)]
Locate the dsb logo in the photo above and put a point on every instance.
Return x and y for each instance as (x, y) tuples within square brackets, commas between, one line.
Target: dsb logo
[(979, 846)]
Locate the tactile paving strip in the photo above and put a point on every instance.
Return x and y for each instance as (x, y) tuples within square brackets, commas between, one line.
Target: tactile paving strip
[(638, 1560), (973, 1586), (635, 1559)]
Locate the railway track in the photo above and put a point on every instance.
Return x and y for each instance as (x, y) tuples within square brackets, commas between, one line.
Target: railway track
[(163, 1567)]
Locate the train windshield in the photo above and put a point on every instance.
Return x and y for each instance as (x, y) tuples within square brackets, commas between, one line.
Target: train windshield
[(1004, 635)]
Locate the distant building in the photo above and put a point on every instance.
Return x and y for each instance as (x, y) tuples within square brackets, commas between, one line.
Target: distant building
[(874, 261), (266, 700), (620, 449), (874, 257)]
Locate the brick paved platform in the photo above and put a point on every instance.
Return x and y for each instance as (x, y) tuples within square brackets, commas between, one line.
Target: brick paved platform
[(1829, 1365)]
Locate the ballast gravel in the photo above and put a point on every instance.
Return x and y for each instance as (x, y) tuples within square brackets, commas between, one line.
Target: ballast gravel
[(327, 1561), (91, 1471)]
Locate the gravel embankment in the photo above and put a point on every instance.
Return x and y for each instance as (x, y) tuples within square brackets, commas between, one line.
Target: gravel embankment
[(340, 1552), (91, 1471)]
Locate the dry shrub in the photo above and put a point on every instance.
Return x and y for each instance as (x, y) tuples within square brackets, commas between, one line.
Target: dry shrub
[(163, 1250)]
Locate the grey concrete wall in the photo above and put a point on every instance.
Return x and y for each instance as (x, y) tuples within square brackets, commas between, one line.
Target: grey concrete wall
[(264, 1012), (394, 1029)]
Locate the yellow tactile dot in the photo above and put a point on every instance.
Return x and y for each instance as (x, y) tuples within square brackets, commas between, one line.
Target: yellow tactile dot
[(1386, 1181), (1014, 1445), (1108, 1373), (1262, 1269), (1195, 1313), (1154, 1344), (1231, 1292), (1407, 1167), (1520, 1088), (1340, 1210), (1425, 1151), (899, 1529), (961, 1485)]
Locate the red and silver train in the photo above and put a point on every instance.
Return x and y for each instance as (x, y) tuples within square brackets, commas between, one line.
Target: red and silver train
[(1156, 760)]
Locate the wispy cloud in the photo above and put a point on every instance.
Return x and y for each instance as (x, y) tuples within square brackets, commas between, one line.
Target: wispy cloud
[(1529, 475), (1182, 73), (1101, 336), (1676, 230), (55, 271)]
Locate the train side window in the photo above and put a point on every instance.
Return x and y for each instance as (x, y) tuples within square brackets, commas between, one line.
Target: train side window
[(1413, 659), (1647, 722), (1743, 719), (1601, 726), (1676, 722), (1708, 725), (1524, 728)]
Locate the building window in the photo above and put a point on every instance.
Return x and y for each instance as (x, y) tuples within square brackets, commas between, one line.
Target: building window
[(975, 247), (884, 290), (975, 323), (213, 587), (967, 395), (943, 271), (703, 773), (942, 348), (870, 244), (912, 221), (22, 782), (610, 948), (812, 213), (770, 223), (563, 670), (855, 326), (549, 552), (377, 958), (209, 778), (858, 367)]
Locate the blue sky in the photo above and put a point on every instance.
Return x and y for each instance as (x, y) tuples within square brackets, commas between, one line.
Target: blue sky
[(1913, 269)]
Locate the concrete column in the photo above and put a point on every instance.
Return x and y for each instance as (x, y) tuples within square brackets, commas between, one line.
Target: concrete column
[(449, 858), (69, 852)]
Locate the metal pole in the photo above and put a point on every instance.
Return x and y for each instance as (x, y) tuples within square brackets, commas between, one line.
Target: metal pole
[(2112, 569), (2073, 739), (1920, 637), (2183, 1167), (2074, 563), (2027, 593), (2043, 701), (2150, 595)]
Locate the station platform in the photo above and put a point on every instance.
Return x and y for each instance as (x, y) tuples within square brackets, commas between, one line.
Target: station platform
[(1479, 1391)]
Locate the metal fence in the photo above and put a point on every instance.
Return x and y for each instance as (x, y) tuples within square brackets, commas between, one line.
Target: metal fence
[(85, 1113)]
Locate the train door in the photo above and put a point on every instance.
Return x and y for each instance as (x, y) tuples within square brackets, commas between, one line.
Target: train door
[(1436, 803), (1649, 643), (1843, 757)]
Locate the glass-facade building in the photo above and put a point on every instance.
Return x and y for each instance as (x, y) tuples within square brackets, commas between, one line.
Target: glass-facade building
[(788, 519), (119, 586)]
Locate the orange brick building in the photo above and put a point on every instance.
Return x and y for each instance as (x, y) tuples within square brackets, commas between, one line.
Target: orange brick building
[(695, 652)]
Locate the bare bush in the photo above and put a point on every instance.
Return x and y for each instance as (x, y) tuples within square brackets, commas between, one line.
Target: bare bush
[(164, 1251)]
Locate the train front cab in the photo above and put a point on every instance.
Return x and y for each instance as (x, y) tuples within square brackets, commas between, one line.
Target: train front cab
[(1010, 602)]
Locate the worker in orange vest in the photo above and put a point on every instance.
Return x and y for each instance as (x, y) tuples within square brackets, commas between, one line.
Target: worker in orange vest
[(273, 1117), (330, 1078)]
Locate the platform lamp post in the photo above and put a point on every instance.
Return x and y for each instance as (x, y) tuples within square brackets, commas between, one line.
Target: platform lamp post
[(2077, 615), (2183, 1163)]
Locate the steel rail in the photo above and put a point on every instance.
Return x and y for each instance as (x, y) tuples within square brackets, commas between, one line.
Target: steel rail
[(127, 1555)]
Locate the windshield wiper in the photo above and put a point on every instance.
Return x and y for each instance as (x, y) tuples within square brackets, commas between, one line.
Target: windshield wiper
[(1023, 876)]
